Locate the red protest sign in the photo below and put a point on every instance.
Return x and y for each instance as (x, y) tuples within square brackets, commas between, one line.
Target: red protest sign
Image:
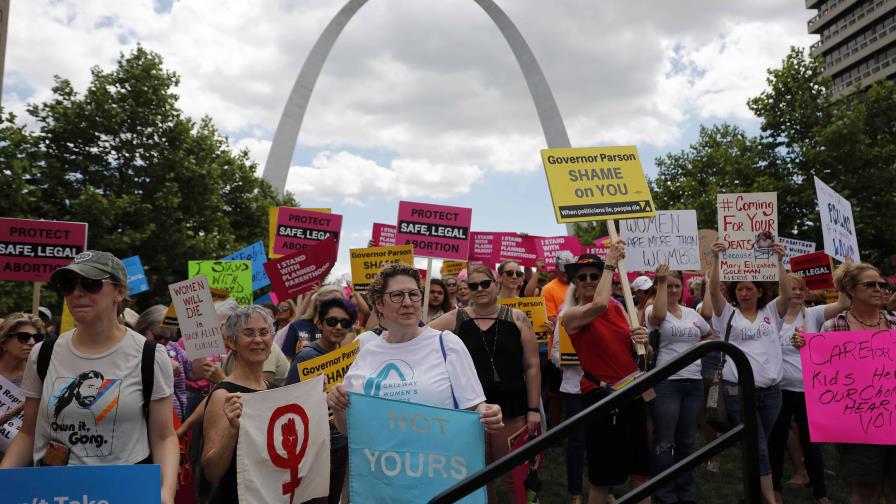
[(521, 249), (298, 272), (438, 231), (31, 250), (816, 270), (383, 235), (299, 229)]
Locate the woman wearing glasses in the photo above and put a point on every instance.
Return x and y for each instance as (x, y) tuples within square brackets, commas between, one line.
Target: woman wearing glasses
[(19, 333), (870, 468), (510, 279), (99, 416)]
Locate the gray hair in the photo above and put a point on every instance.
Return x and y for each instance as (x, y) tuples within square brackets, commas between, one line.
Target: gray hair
[(224, 308), (241, 316)]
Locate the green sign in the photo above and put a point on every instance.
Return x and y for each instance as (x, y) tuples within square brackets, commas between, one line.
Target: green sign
[(233, 276)]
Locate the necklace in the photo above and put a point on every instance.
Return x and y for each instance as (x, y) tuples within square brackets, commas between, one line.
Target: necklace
[(875, 324), (491, 353)]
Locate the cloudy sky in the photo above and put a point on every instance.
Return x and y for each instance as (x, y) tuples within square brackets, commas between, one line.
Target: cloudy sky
[(422, 99)]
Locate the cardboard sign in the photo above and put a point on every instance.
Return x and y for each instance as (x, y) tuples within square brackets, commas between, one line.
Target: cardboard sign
[(134, 484), (403, 452), (31, 250), (11, 396), (514, 247), (793, 248), (255, 254), (200, 328), (485, 248), (748, 224), (366, 262), (589, 184), (669, 237), (548, 249), (452, 268), (437, 231), (536, 312), (299, 228), (334, 364), (706, 238), (283, 449), (383, 235), (299, 272), (837, 224), (235, 277), (816, 269), (848, 378), (137, 282), (568, 353)]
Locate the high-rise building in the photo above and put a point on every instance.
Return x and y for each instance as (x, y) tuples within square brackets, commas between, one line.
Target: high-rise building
[(858, 41)]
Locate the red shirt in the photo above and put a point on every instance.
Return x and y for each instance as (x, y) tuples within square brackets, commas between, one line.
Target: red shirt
[(605, 347)]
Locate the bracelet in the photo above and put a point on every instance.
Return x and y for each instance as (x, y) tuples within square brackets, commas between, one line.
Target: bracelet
[(611, 267), (534, 410)]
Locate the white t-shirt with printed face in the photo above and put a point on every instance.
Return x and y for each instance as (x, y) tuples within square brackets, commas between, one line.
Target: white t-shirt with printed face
[(793, 367), (93, 404), (759, 339), (415, 371), (678, 335)]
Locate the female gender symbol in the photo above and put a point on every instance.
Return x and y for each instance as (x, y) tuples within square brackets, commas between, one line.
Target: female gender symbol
[(289, 440)]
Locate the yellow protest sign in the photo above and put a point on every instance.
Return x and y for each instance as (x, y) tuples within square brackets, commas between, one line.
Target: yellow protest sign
[(272, 227), (334, 364), (568, 353), (599, 183), (452, 268), (68, 322), (366, 262), (170, 319), (535, 310)]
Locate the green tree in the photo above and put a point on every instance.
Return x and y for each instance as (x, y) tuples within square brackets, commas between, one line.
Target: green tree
[(147, 179)]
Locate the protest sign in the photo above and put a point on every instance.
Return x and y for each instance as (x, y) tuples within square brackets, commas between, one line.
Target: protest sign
[(437, 231), (423, 274), (299, 228), (452, 268), (816, 269), (600, 248), (299, 272), (272, 226), (669, 237), (519, 473), (793, 248), (200, 328), (383, 235), (548, 248), (568, 353), (68, 322), (235, 277), (137, 282), (366, 262), (706, 238), (404, 452), (686, 297), (97, 484), (748, 224), (485, 248), (589, 184), (837, 224), (255, 254), (514, 247), (31, 250), (536, 312), (848, 378), (283, 449), (333, 364), (11, 396)]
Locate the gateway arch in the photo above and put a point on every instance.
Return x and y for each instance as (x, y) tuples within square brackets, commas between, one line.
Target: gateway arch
[(280, 156)]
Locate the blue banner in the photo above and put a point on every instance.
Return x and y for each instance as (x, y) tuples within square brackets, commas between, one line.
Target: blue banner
[(404, 452), (131, 484), (258, 256), (136, 277)]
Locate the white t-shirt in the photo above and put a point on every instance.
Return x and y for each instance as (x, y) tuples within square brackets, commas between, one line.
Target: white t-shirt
[(415, 371), (793, 367), (678, 335), (94, 403), (758, 339)]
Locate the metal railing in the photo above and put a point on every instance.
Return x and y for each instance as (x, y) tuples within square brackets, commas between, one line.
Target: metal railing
[(745, 432)]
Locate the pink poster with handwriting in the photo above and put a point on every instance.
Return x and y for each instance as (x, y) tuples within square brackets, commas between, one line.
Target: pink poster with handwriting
[(547, 249), (512, 246), (383, 235), (438, 231), (31, 250), (299, 229), (850, 385)]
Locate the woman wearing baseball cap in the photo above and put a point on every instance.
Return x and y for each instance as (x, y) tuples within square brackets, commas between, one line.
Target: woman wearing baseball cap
[(84, 403)]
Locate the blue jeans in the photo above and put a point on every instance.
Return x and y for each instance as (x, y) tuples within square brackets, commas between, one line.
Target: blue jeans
[(675, 410), (575, 446), (768, 406)]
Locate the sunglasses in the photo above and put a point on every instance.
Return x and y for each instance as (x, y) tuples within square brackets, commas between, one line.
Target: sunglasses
[(397, 296), (872, 284), (24, 337), (451, 284), (335, 321), (588, 276), (283, 309), (68, 284), (512, 273), (474, 286)]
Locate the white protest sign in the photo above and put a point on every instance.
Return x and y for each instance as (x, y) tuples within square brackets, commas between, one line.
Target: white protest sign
[(794, 248), (748, 224), (11, 397), (669, 237), (837, 223), (199, 325), (283, 450)]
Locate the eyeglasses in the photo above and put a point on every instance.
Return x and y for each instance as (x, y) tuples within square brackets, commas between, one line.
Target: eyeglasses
[(474, 286), (511, 273), (250, 334), (334, 321), (872, 284), (451, 284), (25, 337), (588, 276), (68, 284), (283, 309), (397, 296)]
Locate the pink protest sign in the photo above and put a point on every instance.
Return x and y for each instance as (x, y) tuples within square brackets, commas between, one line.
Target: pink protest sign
[(850, 384), (299, 229), (298, 272), (547, 249), (438, 231), (521, 249), (485, 248), (600, 248), (383, 235), (31, 250)]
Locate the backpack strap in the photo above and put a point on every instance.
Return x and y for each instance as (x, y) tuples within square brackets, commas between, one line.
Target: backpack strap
[(445, 360), (147, 374), (44, 356)]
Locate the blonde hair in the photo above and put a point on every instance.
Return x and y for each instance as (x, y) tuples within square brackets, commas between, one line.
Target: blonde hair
[(16, 320), (846, 276), (478, 268), (797, 280)]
